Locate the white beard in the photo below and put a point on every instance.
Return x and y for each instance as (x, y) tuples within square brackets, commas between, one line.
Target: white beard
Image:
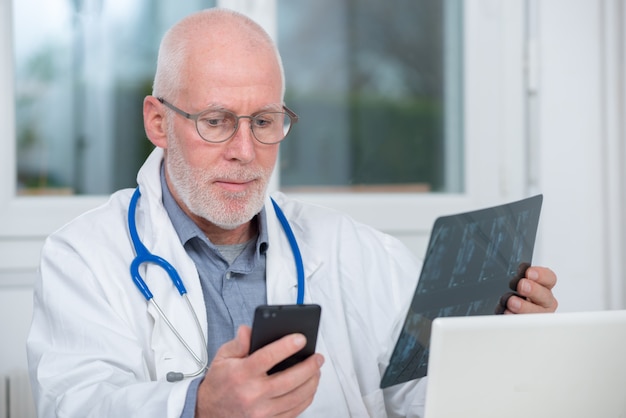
[(194, 186)]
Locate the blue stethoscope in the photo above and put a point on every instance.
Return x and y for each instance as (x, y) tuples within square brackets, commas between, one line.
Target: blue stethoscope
[(143, 255)]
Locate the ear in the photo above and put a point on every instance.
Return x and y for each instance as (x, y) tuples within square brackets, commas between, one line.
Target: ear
[(154, 121)]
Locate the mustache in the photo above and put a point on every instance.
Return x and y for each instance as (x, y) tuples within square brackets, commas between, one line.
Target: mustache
[(241, 175)]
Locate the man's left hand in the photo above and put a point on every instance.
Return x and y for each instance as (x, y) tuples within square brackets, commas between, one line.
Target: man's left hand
[(535, 292)]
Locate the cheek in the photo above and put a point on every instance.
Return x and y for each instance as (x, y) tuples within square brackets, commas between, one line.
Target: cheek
[(200, 157), (190, 160), (196, 152), (267, 157)]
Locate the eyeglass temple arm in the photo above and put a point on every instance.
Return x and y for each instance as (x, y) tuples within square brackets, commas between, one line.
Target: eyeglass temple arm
[(291, 113), (175, 109)]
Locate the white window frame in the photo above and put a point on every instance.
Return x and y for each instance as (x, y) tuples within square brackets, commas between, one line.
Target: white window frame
[(494, 134)]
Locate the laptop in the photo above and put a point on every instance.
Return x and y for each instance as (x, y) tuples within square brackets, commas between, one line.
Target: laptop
[(539, 365)]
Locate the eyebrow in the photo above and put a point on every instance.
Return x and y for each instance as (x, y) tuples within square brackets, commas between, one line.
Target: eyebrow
[(272, 107), (277, 107)]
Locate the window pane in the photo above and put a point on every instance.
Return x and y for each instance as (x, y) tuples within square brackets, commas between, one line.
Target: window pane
[(82, 71), (377, 86)]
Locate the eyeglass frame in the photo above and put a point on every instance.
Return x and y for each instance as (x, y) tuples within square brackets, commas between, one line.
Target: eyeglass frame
[(194, 117)]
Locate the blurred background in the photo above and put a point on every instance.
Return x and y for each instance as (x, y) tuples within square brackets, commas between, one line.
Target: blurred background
[(409, 110)]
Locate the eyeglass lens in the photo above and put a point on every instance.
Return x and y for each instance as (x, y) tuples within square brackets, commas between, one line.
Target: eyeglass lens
[(267, 127)]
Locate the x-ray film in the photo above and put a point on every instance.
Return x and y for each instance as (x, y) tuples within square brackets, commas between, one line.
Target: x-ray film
[(472, 265)]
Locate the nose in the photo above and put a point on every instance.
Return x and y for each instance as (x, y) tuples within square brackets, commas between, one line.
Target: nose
[(241, 146)]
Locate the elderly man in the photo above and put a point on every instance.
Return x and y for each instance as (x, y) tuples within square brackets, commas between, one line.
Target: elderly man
[(216, 116)]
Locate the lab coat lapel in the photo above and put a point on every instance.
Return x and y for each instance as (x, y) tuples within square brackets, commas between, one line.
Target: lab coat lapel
[(331, 340), (281, 275), (159, 236), (170, 354)]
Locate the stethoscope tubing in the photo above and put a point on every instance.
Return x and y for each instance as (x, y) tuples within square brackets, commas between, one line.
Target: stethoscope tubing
[(143, 255), (297, 256)]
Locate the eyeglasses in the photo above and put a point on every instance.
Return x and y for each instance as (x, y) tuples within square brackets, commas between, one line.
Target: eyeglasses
[(217, 126)]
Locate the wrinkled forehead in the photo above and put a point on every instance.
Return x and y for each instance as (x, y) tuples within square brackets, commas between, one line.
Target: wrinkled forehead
[(230, 56)]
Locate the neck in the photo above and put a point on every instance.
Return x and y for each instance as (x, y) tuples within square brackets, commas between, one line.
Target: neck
[(221, 236)]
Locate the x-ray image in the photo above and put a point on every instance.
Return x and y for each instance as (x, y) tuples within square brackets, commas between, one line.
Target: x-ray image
[(472, 264)]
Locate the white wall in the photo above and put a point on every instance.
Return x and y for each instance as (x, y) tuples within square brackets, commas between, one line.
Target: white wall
[(15, 309), (577, 149)]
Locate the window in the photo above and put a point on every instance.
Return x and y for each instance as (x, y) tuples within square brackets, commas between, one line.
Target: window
[(378, 86), (82, 71)]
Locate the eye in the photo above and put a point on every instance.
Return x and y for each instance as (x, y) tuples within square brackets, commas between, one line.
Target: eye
[(216, 119), (264, 120)]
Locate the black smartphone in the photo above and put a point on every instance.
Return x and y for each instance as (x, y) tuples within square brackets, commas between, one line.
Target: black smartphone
[(272, 322)]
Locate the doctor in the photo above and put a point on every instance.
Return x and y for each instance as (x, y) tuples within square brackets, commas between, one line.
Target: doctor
[(97, 348)]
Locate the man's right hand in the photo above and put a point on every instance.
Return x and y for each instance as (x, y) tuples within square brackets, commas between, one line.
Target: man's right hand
[(237, 384)]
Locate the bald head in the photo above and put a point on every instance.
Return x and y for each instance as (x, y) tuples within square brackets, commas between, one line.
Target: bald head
[(208, 37)]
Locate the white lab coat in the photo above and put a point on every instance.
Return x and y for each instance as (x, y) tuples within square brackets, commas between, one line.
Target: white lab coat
[(97, 349)]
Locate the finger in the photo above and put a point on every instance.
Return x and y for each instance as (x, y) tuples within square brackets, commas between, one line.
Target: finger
[(517, 305), (300, 399), (297, 374), (291, 404), (291, 391), (501, 306), (520, 274), (537, 288), (237, 347), (542, 275), (267, 357), (296, 386), (532, 298)]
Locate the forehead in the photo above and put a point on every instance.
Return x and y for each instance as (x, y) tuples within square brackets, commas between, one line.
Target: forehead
[(229, 67)]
